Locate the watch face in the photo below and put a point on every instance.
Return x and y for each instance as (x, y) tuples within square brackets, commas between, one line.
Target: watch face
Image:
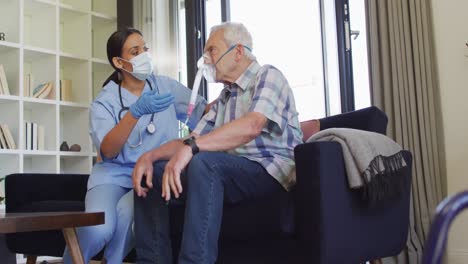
[(191, 142), (188, 141)]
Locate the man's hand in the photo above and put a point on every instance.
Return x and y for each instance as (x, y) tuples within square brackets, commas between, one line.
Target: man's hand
[(171, 176), (144, 166)]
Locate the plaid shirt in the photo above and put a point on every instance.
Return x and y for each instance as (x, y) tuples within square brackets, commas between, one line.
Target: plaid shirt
[(264, 90)]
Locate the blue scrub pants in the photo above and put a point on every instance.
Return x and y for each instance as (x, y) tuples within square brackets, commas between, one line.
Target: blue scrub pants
[(210, 180), (116, 234)]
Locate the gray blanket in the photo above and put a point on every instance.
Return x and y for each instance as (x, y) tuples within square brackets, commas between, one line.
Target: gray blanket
[(371, 160)]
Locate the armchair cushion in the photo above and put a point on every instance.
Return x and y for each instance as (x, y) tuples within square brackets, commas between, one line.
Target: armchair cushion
[(309, 128), (272, 217), (32, 192), (369, 119), (26, 188), (52, 206)]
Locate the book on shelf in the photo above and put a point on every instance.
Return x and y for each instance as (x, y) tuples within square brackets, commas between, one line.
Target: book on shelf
[(66, 90), (41, 137), (3, 82), (34, 136), (28, 84), (11, 140), (1, 89), (38, 89), (27, 135), (7, 137), (2, 140), (43, 91)]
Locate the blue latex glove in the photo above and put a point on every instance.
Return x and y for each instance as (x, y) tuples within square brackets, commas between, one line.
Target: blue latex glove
[(151, 102)]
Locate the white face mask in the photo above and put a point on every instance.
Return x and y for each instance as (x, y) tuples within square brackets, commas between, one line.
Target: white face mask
[(142, 66), (209, 72), (209, 69)]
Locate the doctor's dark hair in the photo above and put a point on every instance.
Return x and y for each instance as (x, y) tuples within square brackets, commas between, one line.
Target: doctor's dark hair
[(115, 45)]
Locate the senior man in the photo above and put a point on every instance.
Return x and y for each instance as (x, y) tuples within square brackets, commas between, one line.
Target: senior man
[(242, 149)]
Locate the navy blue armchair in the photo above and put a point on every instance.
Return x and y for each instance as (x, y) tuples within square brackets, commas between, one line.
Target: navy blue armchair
[(320, 221), (335, 225)]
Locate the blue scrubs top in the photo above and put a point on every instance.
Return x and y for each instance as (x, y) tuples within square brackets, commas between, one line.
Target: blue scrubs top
[(104, 115)]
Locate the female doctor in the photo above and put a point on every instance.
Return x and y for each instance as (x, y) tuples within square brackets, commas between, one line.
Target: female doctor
[(136, 111)]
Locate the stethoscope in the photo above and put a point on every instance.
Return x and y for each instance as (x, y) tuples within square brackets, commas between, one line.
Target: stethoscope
[(151, 128)]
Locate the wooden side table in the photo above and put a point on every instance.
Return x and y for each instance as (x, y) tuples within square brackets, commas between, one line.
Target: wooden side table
[(67, 221)]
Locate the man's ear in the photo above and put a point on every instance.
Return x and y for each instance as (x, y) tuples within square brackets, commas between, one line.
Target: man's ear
[(240, 52)]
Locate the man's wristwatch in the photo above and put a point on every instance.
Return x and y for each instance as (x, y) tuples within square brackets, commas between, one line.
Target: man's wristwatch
[(191, 142)]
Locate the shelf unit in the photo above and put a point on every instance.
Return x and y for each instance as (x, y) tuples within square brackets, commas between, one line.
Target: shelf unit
[(53, 40)]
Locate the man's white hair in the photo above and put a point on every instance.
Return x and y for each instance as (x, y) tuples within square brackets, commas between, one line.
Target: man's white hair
[(236, 33)]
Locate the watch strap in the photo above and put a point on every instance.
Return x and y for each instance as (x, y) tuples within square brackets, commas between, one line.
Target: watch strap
[(193, 145)]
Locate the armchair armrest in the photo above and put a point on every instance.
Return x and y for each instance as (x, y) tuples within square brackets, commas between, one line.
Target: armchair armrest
[(23, 189), (313, 192), (331, 217)]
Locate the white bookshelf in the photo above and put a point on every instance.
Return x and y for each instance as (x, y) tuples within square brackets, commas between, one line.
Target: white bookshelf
[(53, 40)]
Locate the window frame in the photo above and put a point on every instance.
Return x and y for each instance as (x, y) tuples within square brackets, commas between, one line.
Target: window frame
[(345, 56), (196, 37)]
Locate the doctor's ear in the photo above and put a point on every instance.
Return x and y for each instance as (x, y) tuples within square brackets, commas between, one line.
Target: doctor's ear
[(117, 62)]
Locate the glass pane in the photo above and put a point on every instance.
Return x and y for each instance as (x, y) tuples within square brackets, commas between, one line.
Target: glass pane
[(164, 20), (298, 56), (332, 74), (213, 17), (213, 14), (357, 19), (182, 43)]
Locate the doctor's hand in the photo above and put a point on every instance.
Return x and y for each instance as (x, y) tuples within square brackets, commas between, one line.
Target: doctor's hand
[(151, 102), (144, 166), (171, 176)]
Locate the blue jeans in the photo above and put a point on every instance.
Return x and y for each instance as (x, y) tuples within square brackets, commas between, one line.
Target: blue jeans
[(210, 180), (116, 233)]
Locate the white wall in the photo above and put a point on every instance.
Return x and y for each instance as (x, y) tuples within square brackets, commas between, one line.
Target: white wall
[(451, 33)]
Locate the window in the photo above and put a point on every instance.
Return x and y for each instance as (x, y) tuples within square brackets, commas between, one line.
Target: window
[(213, 17), (181, 43), (331, 63), (352, 54), (325, 63), (277, 42), (358, 35), (297, 56), (163, 25)]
